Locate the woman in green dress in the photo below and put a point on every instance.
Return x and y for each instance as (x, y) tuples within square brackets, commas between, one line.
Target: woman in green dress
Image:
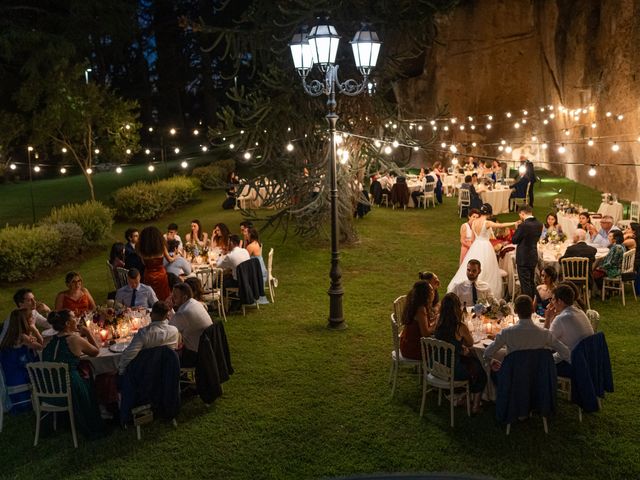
[(71, 342)]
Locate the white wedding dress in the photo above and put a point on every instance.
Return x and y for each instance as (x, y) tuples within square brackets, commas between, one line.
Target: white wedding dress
[(482, 250)]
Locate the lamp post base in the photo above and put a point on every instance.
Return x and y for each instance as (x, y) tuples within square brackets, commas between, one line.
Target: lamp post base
[(336, 319)]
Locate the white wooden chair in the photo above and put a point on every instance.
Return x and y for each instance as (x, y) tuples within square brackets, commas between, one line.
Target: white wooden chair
[(576, 270), (449, 185), (634, 215), (112, 275), (396, 356), (50, 380), (594, 319), (398, 306), (515, 202), (428, 195), (121, 277), (271, 280), (514, 279), (627, 275), (438, 367), (211, 280), (464, 200), (13, 390)]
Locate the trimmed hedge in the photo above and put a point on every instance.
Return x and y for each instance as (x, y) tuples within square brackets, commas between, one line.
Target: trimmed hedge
[(144, 201), (92, 217), (70, 239), (214, 175), (27, 250)]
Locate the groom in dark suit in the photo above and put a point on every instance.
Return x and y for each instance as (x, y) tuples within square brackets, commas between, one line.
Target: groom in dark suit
[(526, 238)]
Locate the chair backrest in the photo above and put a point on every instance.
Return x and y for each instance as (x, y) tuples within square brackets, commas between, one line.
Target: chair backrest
[(429, 187), (594, 319), (270, 264), (398, 306), (592, 375), (628, 260), (575, 268), (395, 334), (50, 380), (438, 358), (465, 197), (112, 275), (634, 212), (205, 275), (121, 277)]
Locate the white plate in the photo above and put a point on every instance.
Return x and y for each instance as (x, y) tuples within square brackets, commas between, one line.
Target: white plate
[(118, 347), (49, 332), (486, 342)]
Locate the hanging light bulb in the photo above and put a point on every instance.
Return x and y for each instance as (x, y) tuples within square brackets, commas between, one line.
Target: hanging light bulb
[(516, 125), (96, 151), (592, 171), (128, 151), (562, 149), (37, 168), (446, 128), (395, 144), (147, 151), (503, 142), (454, 120), (196, 132), (508, 149), (377, 143), (501, 148), (473, 127), (176, 150), (524, 121), (620, 117), (344, 157), (13, 166), (609, 114), (184, 164), (490, 117), (508, 114), (552, 116), (64, 149), (615, 147), (454, 161), (150, 129), (172, 131), (545, 145), (432, 122), (525, 113), (470, 118), (151, 168), (488, 126), (416, 148), (462, 127), (204, 148), (289, 147), (388, 149), (443, 144), (541, 109), (534, 139), (545, 121), (420, 127), (63, 170), (118, 170), (231, 146), (566, 132), (453, 149), (590, 142), (247, 155), (594, 125), (89, 171), (435, 128), (474, 144)]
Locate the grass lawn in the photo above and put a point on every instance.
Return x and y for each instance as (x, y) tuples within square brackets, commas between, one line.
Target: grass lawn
[(306, 402)]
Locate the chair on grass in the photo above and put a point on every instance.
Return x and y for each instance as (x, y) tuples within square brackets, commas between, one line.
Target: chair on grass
[(464, 201), (591, 374), (5, 391), (212, 282), (272, 282), (527, 382), (50, 381), (627, 275), (576, 270), (251, 286), (398, 306), (400, 195), (515, 202), (396, 356), (428, 196), (594, 319), (112, 275), (634, 215), (438, 367), (121, 277), (514, 279)]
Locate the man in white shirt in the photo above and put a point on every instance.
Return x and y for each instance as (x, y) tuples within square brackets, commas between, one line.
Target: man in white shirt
[(25, 299), (157, 334), (232, 259), (473, 291), (525, 335), (602, 238), (134, 293), (568, 323), (191, 319)]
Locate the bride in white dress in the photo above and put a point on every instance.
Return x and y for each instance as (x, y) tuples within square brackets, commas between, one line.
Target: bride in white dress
[(482, 250)]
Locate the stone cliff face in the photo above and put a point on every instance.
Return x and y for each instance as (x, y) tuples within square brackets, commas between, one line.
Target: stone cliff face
[(498, 56)]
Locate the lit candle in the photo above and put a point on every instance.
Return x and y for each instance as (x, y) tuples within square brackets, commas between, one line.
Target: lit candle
[(135, 323), (488, 327), (103, 334)]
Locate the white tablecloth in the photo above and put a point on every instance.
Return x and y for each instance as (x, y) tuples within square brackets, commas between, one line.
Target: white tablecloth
[(613, 209), (498, 198), (569, 223), (105, 362)]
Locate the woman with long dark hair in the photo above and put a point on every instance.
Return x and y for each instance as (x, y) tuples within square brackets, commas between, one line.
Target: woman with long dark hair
[(220, 236), (197, 236), (152, 249), (452, 329), (416, 319)]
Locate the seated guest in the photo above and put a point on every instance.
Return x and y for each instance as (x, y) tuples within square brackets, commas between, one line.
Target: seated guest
[(134, 293), (543, 291), (453, 330), (75, 298), (157, 334), (375, 190), (245, 226), (434, 281), (417, 319), (197, 237), (611, 265), (191, 319), (567, 323), (117, 255), (231, 259), (24, 299), (476, 201), (132, 258), (584, 223), (254, 247), (525, 335), (471, 291), (197, 290), (386, 182), (631, 235), (17, 348), (71, 342), (220, 236), (578, 301), (550, 225), (580, 248), (602, 237), (172, 234), (180, 265)]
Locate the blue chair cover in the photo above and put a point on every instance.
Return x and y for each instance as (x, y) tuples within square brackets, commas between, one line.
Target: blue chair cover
[(591, 372)]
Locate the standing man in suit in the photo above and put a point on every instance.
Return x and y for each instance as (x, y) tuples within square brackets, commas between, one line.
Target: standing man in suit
[(526, 238)]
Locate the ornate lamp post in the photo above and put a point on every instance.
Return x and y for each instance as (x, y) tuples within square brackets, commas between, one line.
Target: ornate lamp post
[(320, 47)]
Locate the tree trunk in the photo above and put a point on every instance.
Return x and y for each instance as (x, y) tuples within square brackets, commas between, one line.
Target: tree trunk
[(90, 184)]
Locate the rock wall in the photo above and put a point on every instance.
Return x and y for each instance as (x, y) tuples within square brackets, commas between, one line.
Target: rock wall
[(498, 56)]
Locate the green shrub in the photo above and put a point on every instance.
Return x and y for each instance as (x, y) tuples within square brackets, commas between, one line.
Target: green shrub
[(70, 239), (27, 250), (144, 201), (92, 217), (214, 175)]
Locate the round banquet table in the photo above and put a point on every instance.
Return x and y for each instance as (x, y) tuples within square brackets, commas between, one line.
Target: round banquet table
[(498, 198), (106, 361)]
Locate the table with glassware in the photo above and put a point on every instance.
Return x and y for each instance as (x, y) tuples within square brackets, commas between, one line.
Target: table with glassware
[(498, 197), (204, 267)]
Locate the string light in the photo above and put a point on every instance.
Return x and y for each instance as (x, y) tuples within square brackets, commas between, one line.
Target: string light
[(594, 125), (247, 155), (388, 150), (36, 168), (172, 131), (377, 143), (490, 117), (620, 117), (151, 168), (63, 170), (415, 149), (446, 128), (516, 125), (443, 144), (30, 148), (501, 148), (176, 150), (615, 147), (13, 166), (474, 144), (454, 161), (150, 129), (118, 170), (420, 127), (289, 147), (96, 151), (454, 120), (545, 145), (231, 146), (508, 149), (127, 126), (204, 148), (488, 126), (395, 144), (562, 149), (566, 132), (590, 142), (608, 114), (184, 164), (461, 127), (545, 121), (128, 151), (196, 132), (241, 132), (470, 119), (592, 171), (473, 127), (89, 171), (64, 149), (147, 151), (508, 114), (453, 149)]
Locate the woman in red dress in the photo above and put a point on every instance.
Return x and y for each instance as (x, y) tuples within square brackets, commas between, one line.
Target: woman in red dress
[(153, 249), (75, 298)]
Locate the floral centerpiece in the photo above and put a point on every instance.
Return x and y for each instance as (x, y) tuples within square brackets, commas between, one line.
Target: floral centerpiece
[(553, 237), (497, 309), (191, 250)]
